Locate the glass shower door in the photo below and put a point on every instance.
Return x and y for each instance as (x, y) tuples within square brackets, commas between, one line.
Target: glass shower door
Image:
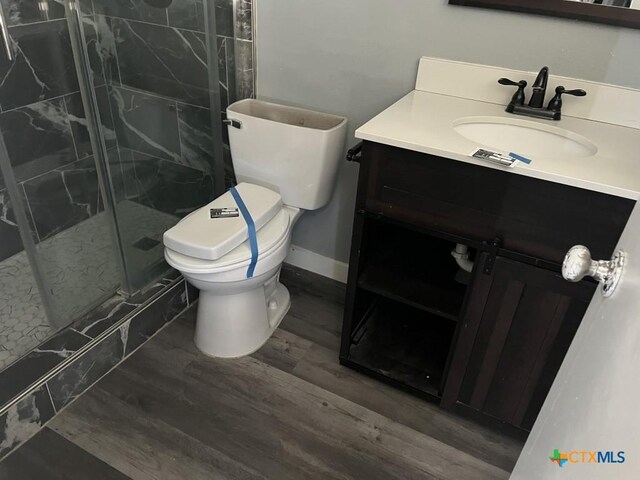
[(110, 115), (50, 168), (156, 88), (23, 310)]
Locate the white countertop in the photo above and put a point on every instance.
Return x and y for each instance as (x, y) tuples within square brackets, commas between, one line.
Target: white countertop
[(423, 122)]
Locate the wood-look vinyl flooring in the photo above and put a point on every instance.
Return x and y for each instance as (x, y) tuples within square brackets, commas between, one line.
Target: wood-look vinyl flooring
[(289, 411)]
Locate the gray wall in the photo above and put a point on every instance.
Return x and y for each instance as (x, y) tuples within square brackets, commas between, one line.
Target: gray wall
[(356, 57)]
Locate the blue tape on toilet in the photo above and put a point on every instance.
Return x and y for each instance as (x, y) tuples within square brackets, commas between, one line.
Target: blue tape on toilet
[(253, 241)]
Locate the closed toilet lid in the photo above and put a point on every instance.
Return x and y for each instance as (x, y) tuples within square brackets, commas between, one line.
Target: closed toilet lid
[(268, 237), (200, 236)]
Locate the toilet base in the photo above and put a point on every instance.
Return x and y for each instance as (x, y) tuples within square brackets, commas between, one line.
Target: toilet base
[(231, 326)]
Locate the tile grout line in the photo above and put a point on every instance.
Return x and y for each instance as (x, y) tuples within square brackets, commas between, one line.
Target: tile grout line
[(125, 19), (45, 100), (39, 22), (115, 50), (254, 47), (226, 68), (64, 165), (73, 137), (180, 145), (235, 49), (131, 89)]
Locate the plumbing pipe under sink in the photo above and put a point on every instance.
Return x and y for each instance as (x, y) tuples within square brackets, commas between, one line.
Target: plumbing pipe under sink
[(461, 254)]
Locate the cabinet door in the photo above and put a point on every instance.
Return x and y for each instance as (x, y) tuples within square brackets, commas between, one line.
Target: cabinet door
[(515, 331)]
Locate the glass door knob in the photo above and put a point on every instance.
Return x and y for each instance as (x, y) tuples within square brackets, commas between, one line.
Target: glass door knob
[(579, 264)]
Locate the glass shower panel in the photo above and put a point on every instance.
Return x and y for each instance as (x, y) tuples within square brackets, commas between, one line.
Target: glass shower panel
[(110, 113), (44, 126), (156, 76), (23, 314)]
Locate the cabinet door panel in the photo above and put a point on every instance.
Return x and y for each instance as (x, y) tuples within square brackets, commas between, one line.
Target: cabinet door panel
[(516, 342)]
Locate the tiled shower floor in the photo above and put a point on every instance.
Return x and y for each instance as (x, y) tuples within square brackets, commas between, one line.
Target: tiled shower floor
[(81, 270)]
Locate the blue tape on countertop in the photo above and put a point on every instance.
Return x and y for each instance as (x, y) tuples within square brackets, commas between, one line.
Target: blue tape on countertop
[(520, 158), (253, 241)]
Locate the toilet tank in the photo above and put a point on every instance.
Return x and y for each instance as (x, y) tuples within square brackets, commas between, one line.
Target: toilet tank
[(293, 151)]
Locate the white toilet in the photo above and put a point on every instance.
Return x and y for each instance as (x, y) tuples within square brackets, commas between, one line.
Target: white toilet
[(285, 160)]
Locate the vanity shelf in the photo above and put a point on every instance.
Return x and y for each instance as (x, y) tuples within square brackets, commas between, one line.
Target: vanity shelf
[(421, 293), (410, 294), (414, 269), (407, 346)]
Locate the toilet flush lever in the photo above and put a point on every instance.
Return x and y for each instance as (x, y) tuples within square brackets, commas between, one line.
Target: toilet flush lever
[(233, 123), (579, 264)]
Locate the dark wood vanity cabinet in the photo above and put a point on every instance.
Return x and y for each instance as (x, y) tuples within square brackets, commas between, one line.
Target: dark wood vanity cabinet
[(513, 336), (486, 344)]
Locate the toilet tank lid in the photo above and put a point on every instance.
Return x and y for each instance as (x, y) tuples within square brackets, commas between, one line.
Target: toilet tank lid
[(200, 236)]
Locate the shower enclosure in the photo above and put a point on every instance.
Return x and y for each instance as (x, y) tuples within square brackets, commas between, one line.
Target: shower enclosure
[(110, 115)]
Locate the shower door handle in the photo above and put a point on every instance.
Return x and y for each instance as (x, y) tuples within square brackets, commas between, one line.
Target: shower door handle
[(6, 39)]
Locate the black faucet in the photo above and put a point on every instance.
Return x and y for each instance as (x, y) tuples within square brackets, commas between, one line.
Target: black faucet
[(539, 88), (536, 103)]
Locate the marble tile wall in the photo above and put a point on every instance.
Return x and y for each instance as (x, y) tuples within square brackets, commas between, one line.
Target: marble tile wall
[(160, 92), (84, 353), (235, 61), (151, 79), (44, 127), (156, 104)]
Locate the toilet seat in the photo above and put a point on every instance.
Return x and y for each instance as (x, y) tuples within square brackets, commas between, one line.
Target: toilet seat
[(270, 238), (202, 237)]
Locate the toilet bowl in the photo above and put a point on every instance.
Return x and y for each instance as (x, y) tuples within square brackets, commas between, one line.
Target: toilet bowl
[(236, 314), (286, 161)]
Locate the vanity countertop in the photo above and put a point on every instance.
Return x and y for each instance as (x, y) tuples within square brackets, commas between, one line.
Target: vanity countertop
[(423, 122)]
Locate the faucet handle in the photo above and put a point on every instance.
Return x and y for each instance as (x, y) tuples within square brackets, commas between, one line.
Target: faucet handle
[(518, 97), (506, 81), (555, 105), (578, 92)]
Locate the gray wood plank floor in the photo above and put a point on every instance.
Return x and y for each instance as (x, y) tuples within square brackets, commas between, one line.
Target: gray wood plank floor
[(289, 411)]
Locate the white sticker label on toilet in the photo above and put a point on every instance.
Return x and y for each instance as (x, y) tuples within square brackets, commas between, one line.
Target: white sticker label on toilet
[(224, 212)]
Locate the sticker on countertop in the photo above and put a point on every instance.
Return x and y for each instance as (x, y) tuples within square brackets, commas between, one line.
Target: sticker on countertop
[(494, 157)]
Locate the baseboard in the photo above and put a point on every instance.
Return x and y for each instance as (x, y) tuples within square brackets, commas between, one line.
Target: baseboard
[(316, 263)]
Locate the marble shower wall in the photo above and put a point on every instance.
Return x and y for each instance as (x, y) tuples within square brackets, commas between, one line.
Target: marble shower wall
[(42, 121), (153, 62), (157, 75), (151, 82)]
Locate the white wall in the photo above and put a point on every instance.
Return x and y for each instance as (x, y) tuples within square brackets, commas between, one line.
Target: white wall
[(356, 57)]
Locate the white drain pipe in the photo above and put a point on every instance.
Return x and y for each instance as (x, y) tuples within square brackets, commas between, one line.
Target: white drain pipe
[(461, 254)]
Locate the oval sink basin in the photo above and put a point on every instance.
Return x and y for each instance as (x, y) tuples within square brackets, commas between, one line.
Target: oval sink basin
[(524, 137)]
